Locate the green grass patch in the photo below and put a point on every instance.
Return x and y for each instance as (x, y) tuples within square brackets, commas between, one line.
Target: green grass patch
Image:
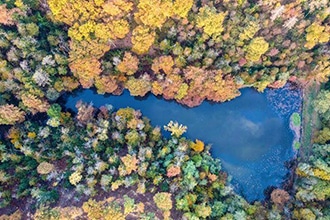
[(296, 119), (296, 145)]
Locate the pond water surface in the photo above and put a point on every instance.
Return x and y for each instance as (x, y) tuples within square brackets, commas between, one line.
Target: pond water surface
[(250, 134)]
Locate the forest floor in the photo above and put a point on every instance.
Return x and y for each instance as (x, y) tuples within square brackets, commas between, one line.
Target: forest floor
[(310, 119)]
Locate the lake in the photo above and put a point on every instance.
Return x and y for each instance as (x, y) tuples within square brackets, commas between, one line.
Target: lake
[(250, 134)]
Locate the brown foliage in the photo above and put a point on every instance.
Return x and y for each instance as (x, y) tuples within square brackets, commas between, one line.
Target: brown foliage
[(10, 114), (85, 112), (34, 104), (279, 197), (171, 85), (106, 84), (208, 84)]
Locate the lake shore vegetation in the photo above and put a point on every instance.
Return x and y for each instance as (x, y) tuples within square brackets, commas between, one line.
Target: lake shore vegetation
[(106, 163)]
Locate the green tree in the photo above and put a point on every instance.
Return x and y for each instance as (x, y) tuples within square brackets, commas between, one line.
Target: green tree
[(54, 111), (322, 105)]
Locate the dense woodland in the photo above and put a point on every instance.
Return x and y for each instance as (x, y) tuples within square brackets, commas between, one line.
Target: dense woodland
[(112, 164)]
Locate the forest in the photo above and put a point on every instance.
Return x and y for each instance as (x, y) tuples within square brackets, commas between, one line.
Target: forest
[(108, 163)]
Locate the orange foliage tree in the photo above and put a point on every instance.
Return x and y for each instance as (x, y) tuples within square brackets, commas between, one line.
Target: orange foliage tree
[(85, 112), (106, 84), (208, 84), (6, 15), (321, 72), (171, 85), (279, 197), (87, 69), (173, 171), (129, 64), (164, 63)]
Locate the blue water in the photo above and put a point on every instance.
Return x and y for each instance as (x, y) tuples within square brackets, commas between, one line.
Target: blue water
[(249, 134)]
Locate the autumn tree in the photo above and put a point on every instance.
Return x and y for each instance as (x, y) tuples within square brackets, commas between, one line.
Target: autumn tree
[(279, 197), (6, 15), (65, 83), (85, 112), (130, 164), (129, 64), (257, 47), (93, 25), (322, 136), (316, 34), (207, 84), (10, 114), (34, 104), (210, 21), (198, 146), (322, 105), (321, 72), (164, 202), (106, 84), (142, 39), (182, 7), (163, 63), (86, 70), (175, 128), (138, 86), (151, 15)]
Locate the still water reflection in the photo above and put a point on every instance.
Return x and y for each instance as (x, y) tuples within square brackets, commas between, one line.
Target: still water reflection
[(249, 134)]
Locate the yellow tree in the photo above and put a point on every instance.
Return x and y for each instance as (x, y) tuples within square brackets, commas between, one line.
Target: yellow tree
[(130, 164), (164, 202), (210, 21), (138, 87), (153, 13), (257, 47), (93, 26), (142, 39), (317, 34), (182, 7), (175, 128)]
